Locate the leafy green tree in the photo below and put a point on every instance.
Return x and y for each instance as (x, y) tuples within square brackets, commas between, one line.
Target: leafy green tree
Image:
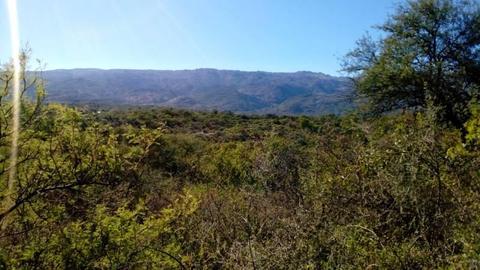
[(429, 56), (68, 154), (32, 112)]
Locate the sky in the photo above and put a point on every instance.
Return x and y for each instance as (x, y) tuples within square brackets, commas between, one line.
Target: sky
[(267, 35)]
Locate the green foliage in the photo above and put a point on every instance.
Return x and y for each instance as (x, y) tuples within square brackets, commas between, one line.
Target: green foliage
[(279, 165), (473, 125), (396, 192), (429, 56), (149, 188), (124, 238), (231, 164)]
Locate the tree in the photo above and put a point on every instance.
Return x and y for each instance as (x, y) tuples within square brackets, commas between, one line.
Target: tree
[(428, 57), (60, 151), (32, 111)]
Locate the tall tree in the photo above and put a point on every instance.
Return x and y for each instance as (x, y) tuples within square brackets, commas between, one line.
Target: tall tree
[(429, 56)]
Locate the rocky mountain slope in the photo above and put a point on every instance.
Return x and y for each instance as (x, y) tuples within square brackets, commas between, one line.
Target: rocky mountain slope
[(206, 89)]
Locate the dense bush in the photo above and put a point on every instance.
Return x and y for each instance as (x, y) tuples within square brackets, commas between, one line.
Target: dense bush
[(150, 188), (394, 192)]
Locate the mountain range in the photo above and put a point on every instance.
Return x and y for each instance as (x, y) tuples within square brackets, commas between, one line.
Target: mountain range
[(305, 93)]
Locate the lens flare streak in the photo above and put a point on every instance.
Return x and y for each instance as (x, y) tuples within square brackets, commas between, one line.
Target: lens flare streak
[(15, 47)]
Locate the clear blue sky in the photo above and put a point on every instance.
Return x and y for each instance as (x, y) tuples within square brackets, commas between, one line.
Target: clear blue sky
[(270, 35)]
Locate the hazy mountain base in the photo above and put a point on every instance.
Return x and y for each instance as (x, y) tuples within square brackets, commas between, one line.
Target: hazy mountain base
[(300, 93), (150, 188)]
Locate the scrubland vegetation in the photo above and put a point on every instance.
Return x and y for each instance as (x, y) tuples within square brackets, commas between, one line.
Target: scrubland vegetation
[(393, 185), (172, 189)]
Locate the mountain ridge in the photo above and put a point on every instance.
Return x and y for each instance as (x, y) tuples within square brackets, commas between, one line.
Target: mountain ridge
[(256, 92)]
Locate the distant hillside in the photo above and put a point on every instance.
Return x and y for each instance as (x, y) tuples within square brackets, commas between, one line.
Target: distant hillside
[(237, 91)]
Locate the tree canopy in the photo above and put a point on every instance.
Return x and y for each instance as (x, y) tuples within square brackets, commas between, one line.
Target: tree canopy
[(429, 56)]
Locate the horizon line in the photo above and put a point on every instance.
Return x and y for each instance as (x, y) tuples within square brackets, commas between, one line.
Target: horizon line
[(195, 69)]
